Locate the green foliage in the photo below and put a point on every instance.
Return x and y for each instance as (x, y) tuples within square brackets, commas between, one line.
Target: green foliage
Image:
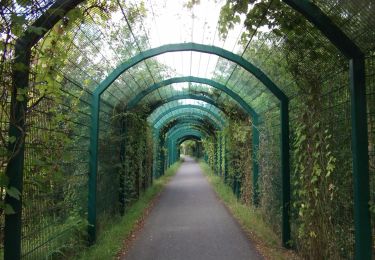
[(234, 159), (305, 60), (238, 145), (269, 166), (316, 177), (188, 147), (55, 173), (135, 168)]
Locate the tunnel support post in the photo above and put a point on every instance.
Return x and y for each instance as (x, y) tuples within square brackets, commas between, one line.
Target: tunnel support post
[(220, 153), (20, 79), (176, 152), (360, 162), (174, 146), (15, 167), (165, 165), (285, 173), (122, 170), (225, 161), (215, 156), (93, 167), (155, 157), (162, 158), (255, 141), (171, 153), (158, 158), (170, 149), (178, 155), (168, 154), (154, 153)]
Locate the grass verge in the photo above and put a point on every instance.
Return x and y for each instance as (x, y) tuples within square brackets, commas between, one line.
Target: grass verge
[(111, 240), (250, 219)]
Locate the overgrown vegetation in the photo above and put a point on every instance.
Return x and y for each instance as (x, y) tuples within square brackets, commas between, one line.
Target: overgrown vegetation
[(191, 148), (125, 176), (72, 58), (229, 152), (58, 127)]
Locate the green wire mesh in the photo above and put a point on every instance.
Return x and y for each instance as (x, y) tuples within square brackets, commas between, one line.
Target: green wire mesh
[(53, 208), (96, 47)]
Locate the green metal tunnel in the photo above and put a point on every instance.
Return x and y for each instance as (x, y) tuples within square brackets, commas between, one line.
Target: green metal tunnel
[(176, 107)]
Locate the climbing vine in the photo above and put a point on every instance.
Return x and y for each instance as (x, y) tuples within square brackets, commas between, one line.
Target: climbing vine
[(57, 126), (229, 153), (135, 169)]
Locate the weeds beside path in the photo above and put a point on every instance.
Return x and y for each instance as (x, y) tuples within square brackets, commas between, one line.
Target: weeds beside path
[(250, 219)]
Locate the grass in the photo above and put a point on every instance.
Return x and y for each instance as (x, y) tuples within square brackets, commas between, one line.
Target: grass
[(111, 239), (251, 220)]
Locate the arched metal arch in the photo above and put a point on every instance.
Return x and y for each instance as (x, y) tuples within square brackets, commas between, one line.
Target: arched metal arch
[(176, 108), (191, 96), (187, 137), (182, 132), (187, 119), (180, 47), (199, 97), (187, 116), (133, 102), (185, 96), (177, 132), (187, 126), (191, 117), (192, 123), (195, 97), (157, 115), (191, 112)]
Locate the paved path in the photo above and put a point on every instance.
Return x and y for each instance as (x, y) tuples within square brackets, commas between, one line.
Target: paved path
[(189, 222)]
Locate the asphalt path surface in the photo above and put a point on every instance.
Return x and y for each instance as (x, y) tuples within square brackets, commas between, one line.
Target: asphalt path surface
[(189, 222)]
